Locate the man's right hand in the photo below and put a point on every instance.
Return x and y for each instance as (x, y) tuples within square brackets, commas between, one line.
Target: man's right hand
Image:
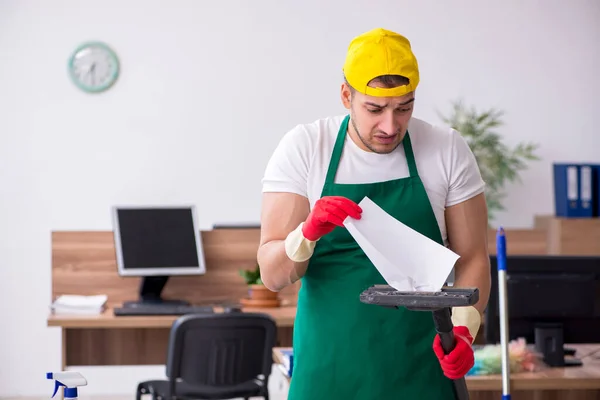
[(329, 212)]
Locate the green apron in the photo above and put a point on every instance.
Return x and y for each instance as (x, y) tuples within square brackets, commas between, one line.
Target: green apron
[(344, 349)]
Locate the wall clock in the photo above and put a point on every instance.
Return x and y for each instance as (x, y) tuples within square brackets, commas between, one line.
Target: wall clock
[(94, 67)]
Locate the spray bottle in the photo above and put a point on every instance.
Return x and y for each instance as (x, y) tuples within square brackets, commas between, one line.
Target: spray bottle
[(70, 380)]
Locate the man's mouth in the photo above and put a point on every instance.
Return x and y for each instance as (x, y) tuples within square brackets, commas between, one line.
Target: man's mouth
[(386, 139)]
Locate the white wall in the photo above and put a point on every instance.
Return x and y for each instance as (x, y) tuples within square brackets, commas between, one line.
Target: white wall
[(204, 83)]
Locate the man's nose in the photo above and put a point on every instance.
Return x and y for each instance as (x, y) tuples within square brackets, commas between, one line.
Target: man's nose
[(388, 125)]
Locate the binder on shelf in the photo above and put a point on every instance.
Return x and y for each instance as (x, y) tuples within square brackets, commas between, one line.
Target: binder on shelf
[(596, 190), (586, 190), (572, 190)]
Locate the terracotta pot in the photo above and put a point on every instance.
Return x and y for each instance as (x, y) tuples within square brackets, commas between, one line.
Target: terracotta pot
[(261, 292)]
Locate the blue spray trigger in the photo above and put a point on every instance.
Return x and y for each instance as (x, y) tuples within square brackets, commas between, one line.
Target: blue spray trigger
[(57, 384), (70, 380)]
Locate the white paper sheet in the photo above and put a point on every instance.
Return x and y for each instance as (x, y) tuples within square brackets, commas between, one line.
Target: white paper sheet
[(407, 260)]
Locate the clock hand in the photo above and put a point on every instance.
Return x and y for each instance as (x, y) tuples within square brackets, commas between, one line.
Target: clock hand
[(93, 73)]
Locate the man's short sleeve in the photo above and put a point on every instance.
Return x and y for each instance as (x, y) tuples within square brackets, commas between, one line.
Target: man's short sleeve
[(465, 177), (288, 167)]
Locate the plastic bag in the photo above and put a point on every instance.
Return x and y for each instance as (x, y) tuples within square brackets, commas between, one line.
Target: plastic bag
[(522, 358)]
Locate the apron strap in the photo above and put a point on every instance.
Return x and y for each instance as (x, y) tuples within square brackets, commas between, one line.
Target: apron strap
[(410, 156), (336, 154)]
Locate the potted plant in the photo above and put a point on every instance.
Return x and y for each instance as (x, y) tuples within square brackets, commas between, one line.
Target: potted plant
[(499, 164), (258, 294)]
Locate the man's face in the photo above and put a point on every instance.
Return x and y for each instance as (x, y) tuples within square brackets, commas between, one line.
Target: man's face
[(379, 123)]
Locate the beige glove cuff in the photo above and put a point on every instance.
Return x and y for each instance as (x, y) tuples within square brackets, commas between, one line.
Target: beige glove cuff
[(297, 247), (467, 316)]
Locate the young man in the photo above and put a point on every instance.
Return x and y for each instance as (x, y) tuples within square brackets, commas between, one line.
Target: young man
[(424, 176)]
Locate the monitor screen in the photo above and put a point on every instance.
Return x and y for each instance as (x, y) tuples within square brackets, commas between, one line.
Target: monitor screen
[(543, 289), (152, 241)]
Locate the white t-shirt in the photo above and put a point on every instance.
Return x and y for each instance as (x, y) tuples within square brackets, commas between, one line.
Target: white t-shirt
[(445, 163)]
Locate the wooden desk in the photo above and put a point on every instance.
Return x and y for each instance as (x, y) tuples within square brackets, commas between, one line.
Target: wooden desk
[(107, 339), (571, 383), (84, 263)]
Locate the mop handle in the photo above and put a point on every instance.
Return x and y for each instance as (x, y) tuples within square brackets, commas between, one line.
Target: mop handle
[(502, 300), (443, 326)]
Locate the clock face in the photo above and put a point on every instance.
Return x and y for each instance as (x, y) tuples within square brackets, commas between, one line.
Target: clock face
[(94, 67)]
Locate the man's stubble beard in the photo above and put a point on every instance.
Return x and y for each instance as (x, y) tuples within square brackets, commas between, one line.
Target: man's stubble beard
[(367, 145)]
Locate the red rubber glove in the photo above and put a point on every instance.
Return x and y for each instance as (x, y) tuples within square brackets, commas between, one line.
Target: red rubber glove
[(329, 212), (461, 359)]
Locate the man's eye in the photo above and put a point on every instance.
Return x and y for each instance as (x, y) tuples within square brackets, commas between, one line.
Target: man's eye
[(374, 110)]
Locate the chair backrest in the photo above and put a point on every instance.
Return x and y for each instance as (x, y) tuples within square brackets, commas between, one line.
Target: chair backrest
[(221, 349)]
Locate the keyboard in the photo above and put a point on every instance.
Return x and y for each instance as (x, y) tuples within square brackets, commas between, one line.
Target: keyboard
[(163, 310)]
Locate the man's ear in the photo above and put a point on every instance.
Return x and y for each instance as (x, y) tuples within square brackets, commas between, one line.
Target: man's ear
[(346, 95)]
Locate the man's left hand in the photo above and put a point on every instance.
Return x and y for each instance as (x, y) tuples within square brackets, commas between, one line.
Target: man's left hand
[(461, 359)]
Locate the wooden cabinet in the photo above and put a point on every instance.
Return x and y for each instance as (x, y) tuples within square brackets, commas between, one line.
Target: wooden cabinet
[(573, 236), (552, 235)]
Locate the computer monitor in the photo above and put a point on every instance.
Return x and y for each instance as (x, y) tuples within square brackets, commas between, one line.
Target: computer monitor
[(155, 243), (551, 300)]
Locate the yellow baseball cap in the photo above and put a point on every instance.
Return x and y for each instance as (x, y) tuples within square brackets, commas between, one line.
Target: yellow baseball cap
[(380, 52)]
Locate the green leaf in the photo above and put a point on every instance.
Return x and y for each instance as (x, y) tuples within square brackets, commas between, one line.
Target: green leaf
[(251, 276)]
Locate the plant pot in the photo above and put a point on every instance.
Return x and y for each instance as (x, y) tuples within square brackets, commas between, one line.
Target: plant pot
[(261, 296), (261, 292)]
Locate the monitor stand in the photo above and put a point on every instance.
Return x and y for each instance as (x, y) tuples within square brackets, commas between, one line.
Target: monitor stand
[(550, 343), (150, 291)]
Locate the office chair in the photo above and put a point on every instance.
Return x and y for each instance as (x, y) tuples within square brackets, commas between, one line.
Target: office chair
[(216, 356)]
